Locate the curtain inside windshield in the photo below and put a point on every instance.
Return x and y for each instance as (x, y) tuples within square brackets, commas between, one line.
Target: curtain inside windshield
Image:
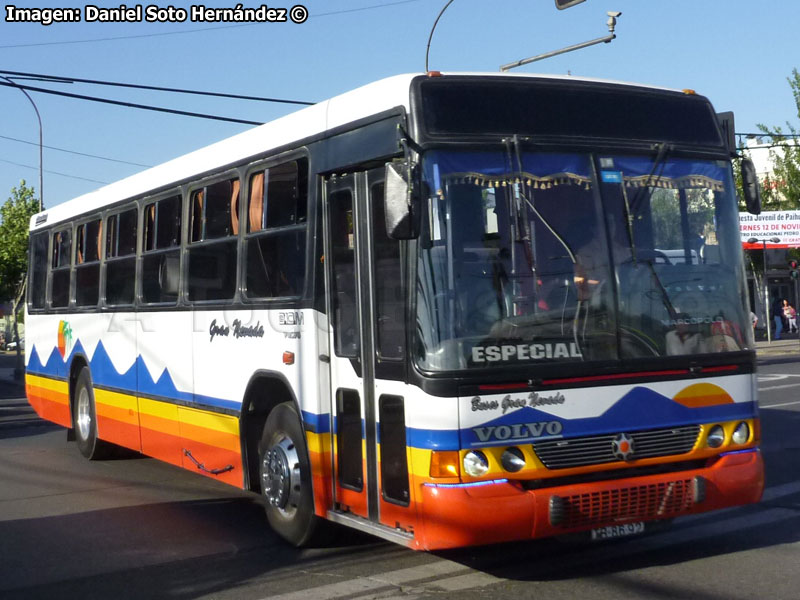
[(679, 270), (525, 258)]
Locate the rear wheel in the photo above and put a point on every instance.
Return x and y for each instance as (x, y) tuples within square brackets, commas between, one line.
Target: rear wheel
[(285, 476), (84, 419)]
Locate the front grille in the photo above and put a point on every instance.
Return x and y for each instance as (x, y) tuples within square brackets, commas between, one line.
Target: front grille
[(599, 449), (637, 503)]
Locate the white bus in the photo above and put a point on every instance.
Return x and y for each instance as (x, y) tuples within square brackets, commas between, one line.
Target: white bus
[(431, 308)]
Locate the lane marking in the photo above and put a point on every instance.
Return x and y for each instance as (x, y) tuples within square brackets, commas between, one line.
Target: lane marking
[(469, 581), (374, 582), (772, 377), (777, 405), (778, 387)]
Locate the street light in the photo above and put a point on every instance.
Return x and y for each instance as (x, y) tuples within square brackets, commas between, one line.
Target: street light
[(611, 23), (41, 170), (773, 240)]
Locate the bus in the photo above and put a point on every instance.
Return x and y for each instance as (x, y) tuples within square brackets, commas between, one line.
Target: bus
[(438, 308)]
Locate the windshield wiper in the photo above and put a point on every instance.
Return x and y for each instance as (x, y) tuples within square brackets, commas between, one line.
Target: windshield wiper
[(515, 143), (632, 207)]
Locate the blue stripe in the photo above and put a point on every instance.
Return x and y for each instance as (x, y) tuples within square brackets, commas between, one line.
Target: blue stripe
[(136, 380), (466, 485)]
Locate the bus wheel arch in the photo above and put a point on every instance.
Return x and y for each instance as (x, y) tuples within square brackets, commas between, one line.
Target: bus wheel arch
[(285, 476), (265, 391), (78, 363), (84, 413)]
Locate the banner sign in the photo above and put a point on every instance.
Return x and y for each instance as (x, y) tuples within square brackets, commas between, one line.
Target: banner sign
[(781, 224)]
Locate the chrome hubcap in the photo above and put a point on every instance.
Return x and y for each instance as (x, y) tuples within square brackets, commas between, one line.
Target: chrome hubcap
[(84, 420), (280, 476)]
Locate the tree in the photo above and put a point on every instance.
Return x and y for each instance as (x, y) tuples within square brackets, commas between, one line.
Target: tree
[(781, 190), (15, 216)]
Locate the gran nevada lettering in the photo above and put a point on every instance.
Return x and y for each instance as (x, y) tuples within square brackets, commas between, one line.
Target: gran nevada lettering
[(239, 330), (533, 399), (517, 352)]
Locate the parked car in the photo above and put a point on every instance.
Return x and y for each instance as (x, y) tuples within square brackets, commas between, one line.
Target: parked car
[(13, 344)]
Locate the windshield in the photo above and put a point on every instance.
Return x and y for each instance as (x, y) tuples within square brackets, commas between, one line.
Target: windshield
[(534, 257)]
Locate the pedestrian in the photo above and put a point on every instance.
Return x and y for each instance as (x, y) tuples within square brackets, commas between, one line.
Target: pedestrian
[(777, 316), (791, 316), (753, 320)]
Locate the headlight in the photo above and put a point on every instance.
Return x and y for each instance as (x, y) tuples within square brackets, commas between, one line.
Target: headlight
[(512, 460), (475, 463), (716, 436), (741, 434)]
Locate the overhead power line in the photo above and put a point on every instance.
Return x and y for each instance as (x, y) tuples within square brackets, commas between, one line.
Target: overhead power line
[(60, 79), (762, 134), (116, 160), (132, 104), (202, 29), (16, 164)]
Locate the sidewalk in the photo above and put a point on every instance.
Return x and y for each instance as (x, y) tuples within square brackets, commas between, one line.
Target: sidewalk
[(785, 347)]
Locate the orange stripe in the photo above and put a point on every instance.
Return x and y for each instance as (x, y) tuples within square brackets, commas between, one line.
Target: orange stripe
[(123, 415), (48, 394), (160, 425), (51, 410), (220, 439), (162, 446), (215, 458), (119, 432)]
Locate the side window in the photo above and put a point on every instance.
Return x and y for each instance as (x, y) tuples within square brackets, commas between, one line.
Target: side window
[(87, 263), (161, 255), (38, 276), (389, 285), (121, 258), (343, 269), (60, 268), (276, 231), (213, 242)]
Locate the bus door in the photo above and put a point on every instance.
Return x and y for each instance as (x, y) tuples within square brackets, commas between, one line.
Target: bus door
[(353, 444), (367, 328)]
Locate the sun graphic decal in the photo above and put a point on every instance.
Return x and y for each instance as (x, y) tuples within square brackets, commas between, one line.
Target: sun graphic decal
[(702, 394), (64, 338)]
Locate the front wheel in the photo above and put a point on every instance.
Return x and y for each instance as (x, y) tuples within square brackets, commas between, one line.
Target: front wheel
[(285, 476), (84, 419)]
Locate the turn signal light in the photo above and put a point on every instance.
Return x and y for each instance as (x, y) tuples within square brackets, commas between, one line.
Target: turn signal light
[(444, 463)]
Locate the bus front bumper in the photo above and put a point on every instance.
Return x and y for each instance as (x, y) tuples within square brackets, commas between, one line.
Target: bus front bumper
[(503, 511)]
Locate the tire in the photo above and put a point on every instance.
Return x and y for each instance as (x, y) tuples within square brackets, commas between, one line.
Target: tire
[(285, 477), (84, 419)]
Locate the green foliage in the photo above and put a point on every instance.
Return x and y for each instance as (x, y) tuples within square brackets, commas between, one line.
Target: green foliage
[(15, 217), (781, 191)]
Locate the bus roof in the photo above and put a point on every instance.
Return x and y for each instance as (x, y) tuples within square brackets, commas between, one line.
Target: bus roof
[(370, 99)]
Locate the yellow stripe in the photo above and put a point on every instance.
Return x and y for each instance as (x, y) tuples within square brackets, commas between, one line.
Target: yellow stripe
[(318, 440), (209, 420), (154, 408), (116, 399), (420, 462), (46, 383)]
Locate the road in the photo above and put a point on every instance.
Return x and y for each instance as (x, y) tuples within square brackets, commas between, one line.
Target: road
[(135, 528)]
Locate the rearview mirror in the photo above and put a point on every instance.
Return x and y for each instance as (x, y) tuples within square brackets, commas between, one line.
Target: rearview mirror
[(401, 201), (750, 187)]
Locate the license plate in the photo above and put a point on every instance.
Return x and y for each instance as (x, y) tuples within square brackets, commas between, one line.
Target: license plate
[(615, 531)]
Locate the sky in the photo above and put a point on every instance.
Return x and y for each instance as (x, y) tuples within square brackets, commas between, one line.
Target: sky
[(738, 53)]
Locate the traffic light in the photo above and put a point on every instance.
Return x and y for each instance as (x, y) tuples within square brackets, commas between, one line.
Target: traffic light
[(794, 269)]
